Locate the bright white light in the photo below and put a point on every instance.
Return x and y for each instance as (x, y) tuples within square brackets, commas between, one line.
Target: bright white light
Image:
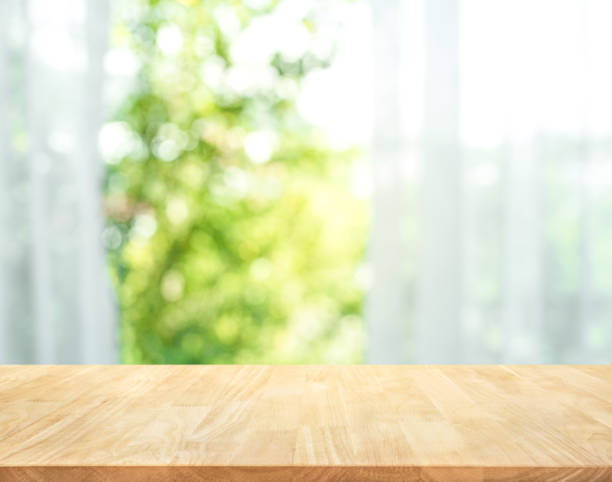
[(119, 62), (279, 31), (144, 227), (361, 181), (257, 43), (338, 99), (260, 146), (213, 71), (167, 150), (287, 88), (116, 140), (170, 39), (257, 4), (238, 80), (169, 142), (295, 39), (292, 11), (227, 19), (248, 80), (58, 50), (237, 181)]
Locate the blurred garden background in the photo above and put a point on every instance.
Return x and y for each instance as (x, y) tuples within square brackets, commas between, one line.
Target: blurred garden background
[(232, 231), (305, 181)]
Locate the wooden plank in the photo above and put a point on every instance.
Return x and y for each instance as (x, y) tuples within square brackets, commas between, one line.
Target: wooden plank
[(306, 423)]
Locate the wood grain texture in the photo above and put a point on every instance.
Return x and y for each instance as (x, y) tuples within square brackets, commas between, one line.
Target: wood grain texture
[(316, 423)]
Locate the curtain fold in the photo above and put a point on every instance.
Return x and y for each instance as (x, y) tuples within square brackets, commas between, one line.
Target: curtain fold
[(56, 304), (387, 339), (498, 235)]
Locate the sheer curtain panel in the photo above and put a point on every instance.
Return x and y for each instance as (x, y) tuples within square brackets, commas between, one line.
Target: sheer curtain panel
[(55, 299), (492, 165)]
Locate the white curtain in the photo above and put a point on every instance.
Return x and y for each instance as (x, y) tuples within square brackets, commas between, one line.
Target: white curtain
[(492, 166), (55, 299)]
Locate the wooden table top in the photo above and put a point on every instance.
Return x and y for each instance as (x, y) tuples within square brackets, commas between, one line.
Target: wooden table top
[(306, 422)]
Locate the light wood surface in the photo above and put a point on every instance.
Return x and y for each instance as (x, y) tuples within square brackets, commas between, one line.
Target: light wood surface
[(306, 423)]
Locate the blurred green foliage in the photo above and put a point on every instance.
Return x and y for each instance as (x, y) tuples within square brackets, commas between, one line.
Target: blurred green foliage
[(233, 234)]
